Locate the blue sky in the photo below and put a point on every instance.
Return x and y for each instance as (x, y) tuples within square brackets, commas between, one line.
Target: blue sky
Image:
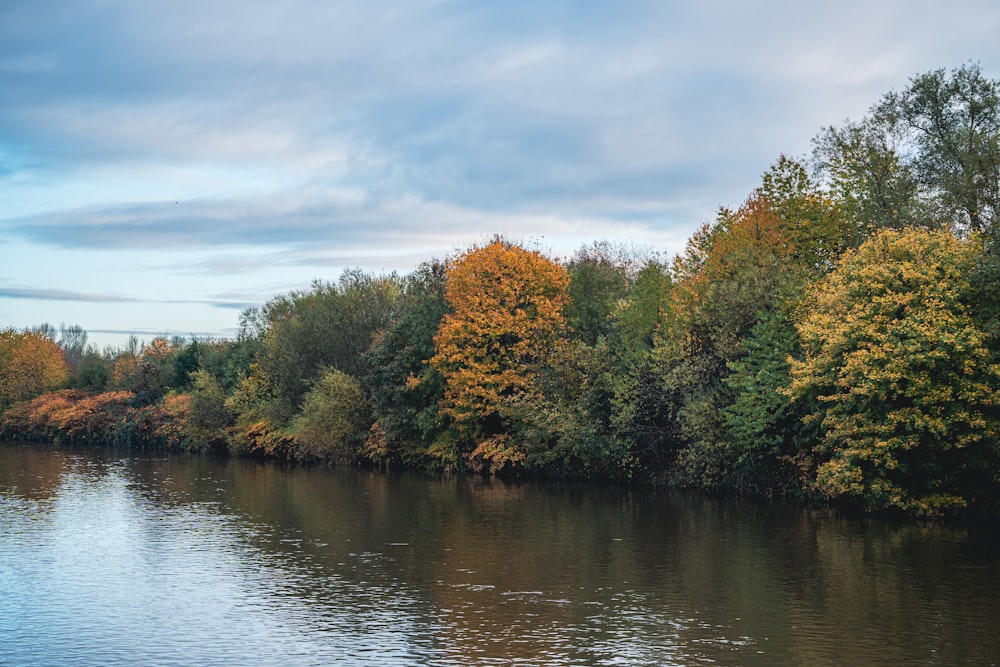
[(164, 165)]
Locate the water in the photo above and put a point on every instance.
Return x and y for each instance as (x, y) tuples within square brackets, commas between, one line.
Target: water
[(112, 558)]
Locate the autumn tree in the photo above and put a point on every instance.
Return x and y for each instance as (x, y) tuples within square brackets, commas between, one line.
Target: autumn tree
[(30, 363), (732, 273), (902, 384), (506, 319), (147, 370)]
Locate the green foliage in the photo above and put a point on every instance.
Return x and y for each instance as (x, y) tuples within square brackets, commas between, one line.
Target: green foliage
[(208, 418), (954, 125), (865, 166), (600, 277), (333, 421), (924, 156), (732, 273), (766, 432), (328, 326), (899, 378), (406, 390), (816, 229)]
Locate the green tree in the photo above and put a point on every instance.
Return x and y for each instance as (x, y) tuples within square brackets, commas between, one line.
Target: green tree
[(927, 155), (333, 421), (329, 326), (732, 273), (766, 434), (954, 124), (600, 276), (865, 165), (902, 384), (406, 390)]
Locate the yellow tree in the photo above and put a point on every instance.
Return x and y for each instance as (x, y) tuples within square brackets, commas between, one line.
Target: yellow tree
[(30, 364), (506, 319), (901, 380)]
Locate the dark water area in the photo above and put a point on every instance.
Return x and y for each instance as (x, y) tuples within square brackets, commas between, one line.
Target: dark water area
[(133, 558)]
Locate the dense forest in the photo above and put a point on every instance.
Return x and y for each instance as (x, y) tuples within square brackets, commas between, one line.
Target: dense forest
[(836, 337)]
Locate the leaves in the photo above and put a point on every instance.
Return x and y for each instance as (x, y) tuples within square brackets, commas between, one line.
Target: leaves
[(900, 374), (30, 363), (506, 318)]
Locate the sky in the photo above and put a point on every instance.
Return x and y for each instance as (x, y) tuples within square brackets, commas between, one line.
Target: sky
[(165, 165)]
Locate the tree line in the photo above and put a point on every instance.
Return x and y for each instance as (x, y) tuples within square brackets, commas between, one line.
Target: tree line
[(834, 338)]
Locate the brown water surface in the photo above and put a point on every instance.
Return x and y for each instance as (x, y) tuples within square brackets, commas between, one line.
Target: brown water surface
[(122, 558)]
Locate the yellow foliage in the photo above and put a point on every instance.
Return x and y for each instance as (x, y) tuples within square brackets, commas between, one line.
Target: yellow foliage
[(506, 318), (899, 374), (30, 364)]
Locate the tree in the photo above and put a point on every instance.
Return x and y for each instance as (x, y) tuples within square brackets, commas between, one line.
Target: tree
[(600, 275), (405, 388), (732, 274), (30, 363), (506, 319), (924, 156), (814, 226), (329, 326), (766, 434), (899, 377), (954, 123), (146, 370), (334, 418), (865, 166)]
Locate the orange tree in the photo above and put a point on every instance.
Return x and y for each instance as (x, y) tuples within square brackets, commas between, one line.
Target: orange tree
[(506, 319), (900, 378), (30, 364)]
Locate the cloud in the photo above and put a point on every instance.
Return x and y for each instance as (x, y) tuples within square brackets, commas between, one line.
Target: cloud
[(253, 143), (62, 295), (300, 226)]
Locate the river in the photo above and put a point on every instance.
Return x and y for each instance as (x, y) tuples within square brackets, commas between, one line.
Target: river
[(146, 558)]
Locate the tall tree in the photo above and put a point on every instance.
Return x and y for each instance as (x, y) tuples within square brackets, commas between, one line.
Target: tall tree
[(732, 274), (924, 156), (406, 389), (899, 378), (506, 318), (954, 121)]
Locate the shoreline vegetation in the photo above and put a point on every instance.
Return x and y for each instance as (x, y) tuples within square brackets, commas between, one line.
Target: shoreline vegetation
[(834, 339)]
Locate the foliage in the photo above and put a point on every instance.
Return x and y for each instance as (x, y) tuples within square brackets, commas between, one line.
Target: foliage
[(927, 154), (816, 228), (600, 276), (30, 363), (506, 318), (406, 390), (730, 276), (765, 428), (334, 419), (146, 370), (329, 326), (825, 339), (902, 383), (208, 418)]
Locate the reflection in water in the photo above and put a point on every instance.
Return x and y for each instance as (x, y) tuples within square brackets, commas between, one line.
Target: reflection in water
[(112, 558)]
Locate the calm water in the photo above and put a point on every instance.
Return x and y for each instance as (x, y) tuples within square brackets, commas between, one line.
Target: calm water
[(111, 558)]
